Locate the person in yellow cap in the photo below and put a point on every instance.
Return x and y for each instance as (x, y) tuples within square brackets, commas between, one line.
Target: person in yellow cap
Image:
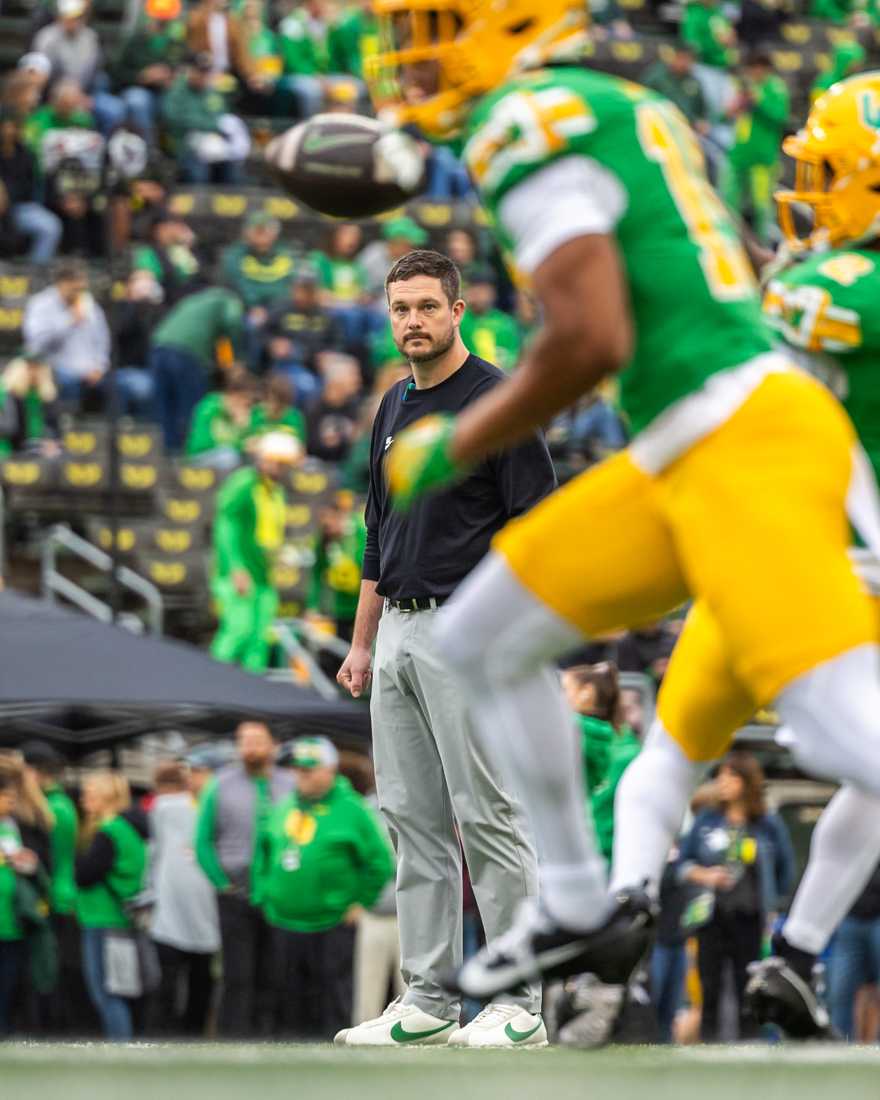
[(248, 532)]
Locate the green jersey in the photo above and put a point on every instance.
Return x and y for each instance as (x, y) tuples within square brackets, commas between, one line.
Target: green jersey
[(564, 152), (826, 307), (493, 336)]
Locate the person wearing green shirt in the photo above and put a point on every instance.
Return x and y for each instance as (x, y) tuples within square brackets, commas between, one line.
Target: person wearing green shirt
[(64, 111), (192, 112), (345, 286), (47, 766), (837, 12), (488, 332), (110, 871), (322, 860), (183, 352), (709, 33), (848, 57), (276, 412), (753, 163), (352, 39), (234, 808), (339, 557), (248, 533), (11, 932), (220, 425), (144, 67), (674, 78)]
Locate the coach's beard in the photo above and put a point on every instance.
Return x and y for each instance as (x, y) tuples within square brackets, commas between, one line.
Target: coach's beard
[(436, 351)]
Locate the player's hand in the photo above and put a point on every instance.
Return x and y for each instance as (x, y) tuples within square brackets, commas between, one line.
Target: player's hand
[(356, 671), (419, 460)]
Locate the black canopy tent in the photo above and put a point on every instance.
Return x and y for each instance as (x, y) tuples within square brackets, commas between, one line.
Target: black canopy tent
[(85, 686)]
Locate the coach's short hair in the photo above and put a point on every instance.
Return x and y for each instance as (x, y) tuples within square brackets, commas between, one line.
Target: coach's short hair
[(424, 261)]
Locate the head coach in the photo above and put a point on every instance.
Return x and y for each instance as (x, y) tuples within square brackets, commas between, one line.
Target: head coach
[(431, 774)]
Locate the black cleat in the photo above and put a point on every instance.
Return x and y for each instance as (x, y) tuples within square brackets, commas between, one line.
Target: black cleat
[(537, 947), (777, 994)]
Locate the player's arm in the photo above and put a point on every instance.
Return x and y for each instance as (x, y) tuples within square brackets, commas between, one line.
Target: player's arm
[(586, 335)]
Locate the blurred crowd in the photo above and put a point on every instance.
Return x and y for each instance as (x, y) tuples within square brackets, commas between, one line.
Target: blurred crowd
[(249, 894)]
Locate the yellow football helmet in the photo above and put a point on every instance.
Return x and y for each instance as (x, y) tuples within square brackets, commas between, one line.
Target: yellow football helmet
[(467, 47), (837, 166)]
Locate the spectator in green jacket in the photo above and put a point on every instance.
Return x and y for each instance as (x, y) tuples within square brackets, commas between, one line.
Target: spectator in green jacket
[(46, 766), (248, 533), (307, 75), (848, 58), (110, 871), (260, 271), (234, 807), (146, 62), (608, 745), (323, 860), (171, 257), (220, 424), (339, 558), (276, 412), (674, 78), (709, 33), (66, 110), (489, 332), (195, 336), (194, 112), (761, 114), (14, 860), (353, 38), (344, 285)]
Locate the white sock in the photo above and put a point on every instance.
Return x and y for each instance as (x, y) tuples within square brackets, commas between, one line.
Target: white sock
[(498, 639), (834, 712), (844, 850), (649, 807), (834, 715)]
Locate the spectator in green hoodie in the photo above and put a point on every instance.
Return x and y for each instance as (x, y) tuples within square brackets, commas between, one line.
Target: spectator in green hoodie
[(323, 860), (848, 58), (487, 331), (339, 558), (608, 745), (110, 871), (761, 114), (220, 424), (353, 38), (193, 110), (260, 271)]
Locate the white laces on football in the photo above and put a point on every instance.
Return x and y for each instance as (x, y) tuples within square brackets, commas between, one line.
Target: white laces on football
[(496, 1014)]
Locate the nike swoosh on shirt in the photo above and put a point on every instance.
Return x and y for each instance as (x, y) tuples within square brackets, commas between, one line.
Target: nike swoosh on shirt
[(519, 1036), (401, 1036)]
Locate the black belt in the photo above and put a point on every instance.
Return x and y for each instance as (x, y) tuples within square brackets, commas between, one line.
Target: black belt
[(416, 603)]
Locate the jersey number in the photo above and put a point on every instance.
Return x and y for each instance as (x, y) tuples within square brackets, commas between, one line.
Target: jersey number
[(808, 318), (667, 139), (523, 128)]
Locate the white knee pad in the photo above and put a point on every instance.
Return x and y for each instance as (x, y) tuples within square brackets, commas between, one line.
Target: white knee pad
[(495, 629), (834, 715)]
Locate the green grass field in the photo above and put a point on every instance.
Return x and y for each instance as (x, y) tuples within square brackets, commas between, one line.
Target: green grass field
[(97, 1072)]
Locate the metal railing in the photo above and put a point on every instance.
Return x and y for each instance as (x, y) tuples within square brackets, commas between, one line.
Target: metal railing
[(300, 640), (54, 583)]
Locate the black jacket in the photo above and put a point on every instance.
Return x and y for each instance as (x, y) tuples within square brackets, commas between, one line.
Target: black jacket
[(18, 174)]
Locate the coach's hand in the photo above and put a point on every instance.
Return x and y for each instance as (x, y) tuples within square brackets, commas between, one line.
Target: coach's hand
[(419, 460), (356, 671)]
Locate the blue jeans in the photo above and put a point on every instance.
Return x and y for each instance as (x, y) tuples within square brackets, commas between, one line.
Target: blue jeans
[(179, 383), (668, 970), (134, 389), (11, 956), (307, 93), (109, 111), (305, 384), (447, 176), (854, 962), (193, 170), (358, 323), (42, 227), (140, 107), (115, 1012), (601, 423)]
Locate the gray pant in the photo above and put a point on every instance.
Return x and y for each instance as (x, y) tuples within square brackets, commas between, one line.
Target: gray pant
[(431, 776)]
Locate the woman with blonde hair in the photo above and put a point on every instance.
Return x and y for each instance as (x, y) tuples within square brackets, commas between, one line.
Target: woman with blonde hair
[(29, 388), (109, 872)]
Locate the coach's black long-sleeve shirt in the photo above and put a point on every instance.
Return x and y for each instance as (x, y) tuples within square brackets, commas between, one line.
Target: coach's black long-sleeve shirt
[(430, 549)]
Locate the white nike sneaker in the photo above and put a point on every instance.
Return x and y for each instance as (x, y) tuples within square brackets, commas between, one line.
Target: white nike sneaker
[(502, 1025), (399, 1025)]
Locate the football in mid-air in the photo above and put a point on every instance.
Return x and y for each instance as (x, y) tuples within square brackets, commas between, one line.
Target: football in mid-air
[(347, 166)]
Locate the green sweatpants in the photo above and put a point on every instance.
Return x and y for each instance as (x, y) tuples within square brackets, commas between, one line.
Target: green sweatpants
[(751, 186), (242, 637)]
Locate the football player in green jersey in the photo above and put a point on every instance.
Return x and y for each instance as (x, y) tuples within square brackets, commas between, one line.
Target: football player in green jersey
[(734, 490)]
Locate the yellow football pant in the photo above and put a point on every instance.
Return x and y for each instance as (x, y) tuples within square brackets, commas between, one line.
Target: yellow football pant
[(751, 520)]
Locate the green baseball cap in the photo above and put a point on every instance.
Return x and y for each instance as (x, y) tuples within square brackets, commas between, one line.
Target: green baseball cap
[(313, 752), (404, 229)]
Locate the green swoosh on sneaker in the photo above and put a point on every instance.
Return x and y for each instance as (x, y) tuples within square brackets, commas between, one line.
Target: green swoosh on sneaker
[(519, 1036), (401, 1036)]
